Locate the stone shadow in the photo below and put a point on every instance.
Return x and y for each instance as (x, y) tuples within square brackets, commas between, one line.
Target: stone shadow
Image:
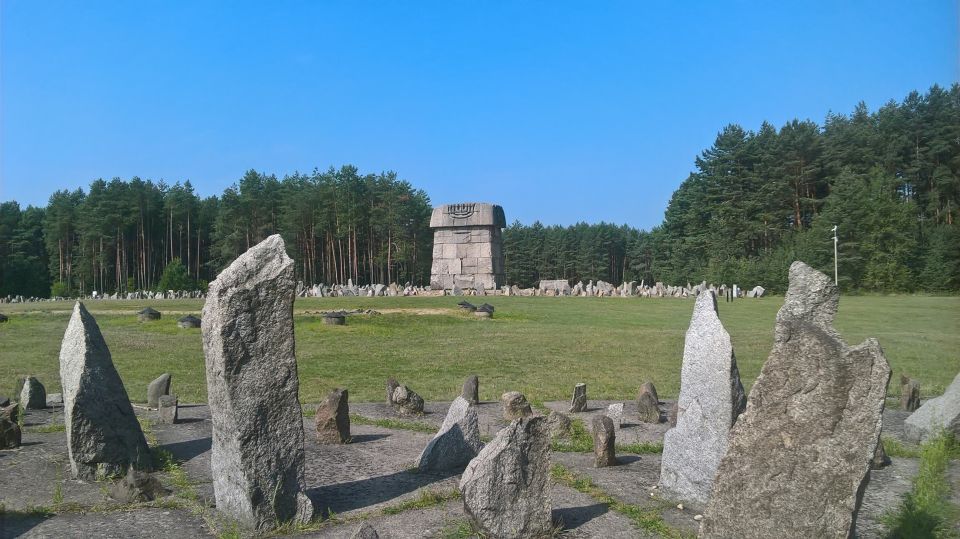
[(572, 518), (187, 450), (14, 524), (343, 497), (364, 438)]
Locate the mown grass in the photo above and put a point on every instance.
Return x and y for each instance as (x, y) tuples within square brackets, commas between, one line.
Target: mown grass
[(925, 510), (539, 346), (415, 426)]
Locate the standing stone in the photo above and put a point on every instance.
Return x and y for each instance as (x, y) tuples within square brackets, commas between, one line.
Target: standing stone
[(392, 386), (798, 458), (456, 443), (648, 387), (408, 401), (10, 435), (515, 405), (33, 396), (579, 401), (169, 410), (504, 488), (880, 458), (103, 435), (365, 531), (615, 413), (188, 322), (604, 442), (471, 389), (157, 389), (333, 418), (559, 424), (648, 407), (257, 459), (54, 400), (149, 314), (711, 399), (941, 412), (909, 394)]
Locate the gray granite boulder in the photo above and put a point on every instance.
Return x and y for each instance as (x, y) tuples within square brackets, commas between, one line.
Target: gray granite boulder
[(648, 387), (392, 386), (711, 399), (938, 413), (188, 322), (798, 458), (54, 400), (471, 389), (103, 435), (408, 401), (10, 434), (515, 405), (505, 488), (604, 441), (333, 418), (257, 459), (365, 531), (168, 410), (137, 487), (149, 314), (157, 389), (456, 443), (578, 403), (33, 396), (559, 424), (648, 407), (909, 394)]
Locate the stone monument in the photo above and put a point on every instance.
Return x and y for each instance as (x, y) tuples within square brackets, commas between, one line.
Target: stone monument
[(467, 246)]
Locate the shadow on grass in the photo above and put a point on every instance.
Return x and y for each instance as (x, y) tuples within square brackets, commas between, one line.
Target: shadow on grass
[(184, 451), (352, 495), (572, 518)]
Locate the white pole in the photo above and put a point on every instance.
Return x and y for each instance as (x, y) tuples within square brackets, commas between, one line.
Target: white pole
[(836, 281)]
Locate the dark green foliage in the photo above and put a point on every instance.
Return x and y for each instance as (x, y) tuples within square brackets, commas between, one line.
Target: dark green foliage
[(175, 277)]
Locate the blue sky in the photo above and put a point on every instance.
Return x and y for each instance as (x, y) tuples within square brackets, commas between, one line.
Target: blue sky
[(562, 112)]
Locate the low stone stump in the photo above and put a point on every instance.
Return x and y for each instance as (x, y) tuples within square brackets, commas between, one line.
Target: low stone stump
[(408, 402), (33, 396), (648, 406), (578, 403), (515, 405), (3, 318), (615, 413), (559, 424), (909, 394), (392, 386), (168, 409), (333, 418), (188, 322), (604, 442), (10, 435), (471, 389), (158, 388), (335, 319), (148, 315)]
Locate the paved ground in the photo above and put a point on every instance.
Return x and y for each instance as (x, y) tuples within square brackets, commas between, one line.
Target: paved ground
[(356, 481)]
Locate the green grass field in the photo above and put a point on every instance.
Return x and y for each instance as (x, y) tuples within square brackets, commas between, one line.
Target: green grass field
[(540, 346)]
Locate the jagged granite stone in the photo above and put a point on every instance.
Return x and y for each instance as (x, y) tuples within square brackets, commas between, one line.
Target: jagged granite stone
[(909, 394), (257, 459), (408, 401), (157, 389), (648, 387), (604, 442), (504, 488), (365, 531), (578, 403), (798, 458), (515, 405), (188, 322), (333, 418), (168, 410), (33, 396), (10, 434), (392, 386), (648, 408), (103, 435), (137, 487), (456, 443), (938, 413), (880, 458), (559, 424), (471, 389), (711, 399)]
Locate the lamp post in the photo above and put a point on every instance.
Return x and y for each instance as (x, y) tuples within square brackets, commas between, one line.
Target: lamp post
[(835, 279)]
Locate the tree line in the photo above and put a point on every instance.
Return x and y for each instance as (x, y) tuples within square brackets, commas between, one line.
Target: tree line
[(757, 200)]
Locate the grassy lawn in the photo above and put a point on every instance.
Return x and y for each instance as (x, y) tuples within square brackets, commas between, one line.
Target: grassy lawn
[(540, 346)]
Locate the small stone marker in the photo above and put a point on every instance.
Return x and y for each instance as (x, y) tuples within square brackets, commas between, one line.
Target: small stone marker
[(604, 442), (33, 396), (559, 424), (10, 435), (880, 458), (335, 319), (615, 413), (711, 399), (909, 394), (188, 322), (798, 458), (257, 461), (504, 488), (515, 405), (941, 412), (168, 409), (408, 401), (54, 400), (392, 386), (578, 403), (3, 318), (333, 418), (467, 306), (103, 435), (484, 311), (456, 443), (365, 531), (648, 387), (137, 486), (11, 412), (149, 314), (648, 407), (471, 389), (157, 389)]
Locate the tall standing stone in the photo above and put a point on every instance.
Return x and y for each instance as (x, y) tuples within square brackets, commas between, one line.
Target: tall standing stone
[(257, 459), (33, 396), (938, 413), (333, 418), (711, 399), (103, 435), (604, 441), (578, 403), (157, 389), (909, 394), (504, 488), (798, 458), (471, 389), (456, 443)]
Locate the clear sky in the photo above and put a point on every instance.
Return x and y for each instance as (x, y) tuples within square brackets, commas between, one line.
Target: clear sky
[(558, 111)]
